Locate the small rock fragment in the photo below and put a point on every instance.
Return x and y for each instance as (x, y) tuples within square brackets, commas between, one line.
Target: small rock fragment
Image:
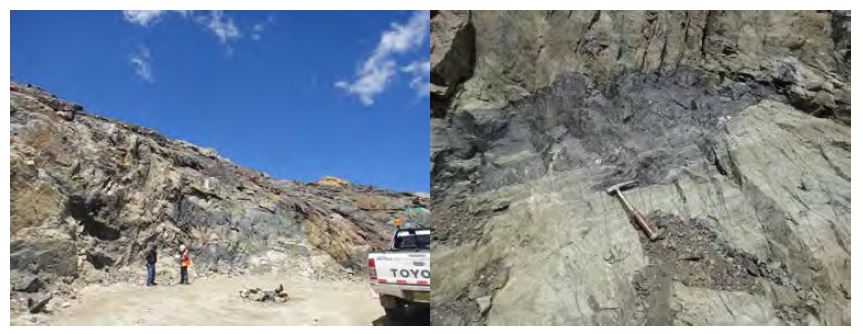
[(751, 267), (484, 303), (28, 283), (37, 303)]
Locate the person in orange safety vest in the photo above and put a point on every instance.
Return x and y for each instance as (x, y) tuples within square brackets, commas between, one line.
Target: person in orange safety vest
[(185, 262)]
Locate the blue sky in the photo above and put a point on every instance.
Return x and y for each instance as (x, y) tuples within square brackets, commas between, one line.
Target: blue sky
[(298, 95)]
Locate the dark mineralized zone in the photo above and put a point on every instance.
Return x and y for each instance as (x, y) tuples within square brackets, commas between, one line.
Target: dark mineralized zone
[(637, 128)]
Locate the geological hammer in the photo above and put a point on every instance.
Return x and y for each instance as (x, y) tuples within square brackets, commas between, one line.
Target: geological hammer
[(632, 212)]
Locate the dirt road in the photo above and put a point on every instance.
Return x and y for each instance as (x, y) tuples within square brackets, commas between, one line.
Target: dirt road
[(215, 301)]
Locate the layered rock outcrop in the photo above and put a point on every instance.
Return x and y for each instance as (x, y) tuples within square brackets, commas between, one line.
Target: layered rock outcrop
[(734, 124), (89, 194), (486, 59)]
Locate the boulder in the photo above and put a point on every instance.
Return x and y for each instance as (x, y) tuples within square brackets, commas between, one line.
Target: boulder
[(332, 181), (36, 303), (53, 256), (28, 283)]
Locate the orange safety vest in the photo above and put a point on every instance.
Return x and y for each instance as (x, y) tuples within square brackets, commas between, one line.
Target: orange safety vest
[(185, 260)]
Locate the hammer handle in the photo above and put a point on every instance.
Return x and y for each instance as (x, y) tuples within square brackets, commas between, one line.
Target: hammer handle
[(642, 223)]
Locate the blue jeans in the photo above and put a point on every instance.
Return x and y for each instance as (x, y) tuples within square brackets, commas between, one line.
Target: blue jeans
[(184, 275), (151, 274)]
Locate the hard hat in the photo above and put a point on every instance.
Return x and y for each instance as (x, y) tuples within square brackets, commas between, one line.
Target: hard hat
[(182, 247)]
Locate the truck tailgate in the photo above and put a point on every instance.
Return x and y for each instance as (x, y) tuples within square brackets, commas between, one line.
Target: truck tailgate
[(408, 268)]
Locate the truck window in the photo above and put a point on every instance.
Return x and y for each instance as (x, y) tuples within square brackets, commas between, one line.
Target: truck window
[(412, 240)]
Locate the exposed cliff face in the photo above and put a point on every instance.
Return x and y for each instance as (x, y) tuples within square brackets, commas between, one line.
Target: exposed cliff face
[(484, 60), (88, 195), (735, 124)]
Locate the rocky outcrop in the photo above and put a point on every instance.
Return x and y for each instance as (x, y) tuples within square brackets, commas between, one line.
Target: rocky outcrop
[(89, 194), (453, 56), (734, 124), (487, 59)]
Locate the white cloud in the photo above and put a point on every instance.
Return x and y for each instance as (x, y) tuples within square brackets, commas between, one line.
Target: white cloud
[(375, 73), (421, 75), (215, 21), (141, 62), (222, 26), (142, 17), (401, 38), (258, 28), (371, 81)]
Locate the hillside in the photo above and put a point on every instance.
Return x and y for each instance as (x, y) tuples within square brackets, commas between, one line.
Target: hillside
[(88, 194)]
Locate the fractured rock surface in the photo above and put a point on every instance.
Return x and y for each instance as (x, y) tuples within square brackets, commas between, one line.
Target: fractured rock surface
[(743, 168), (486, 59)]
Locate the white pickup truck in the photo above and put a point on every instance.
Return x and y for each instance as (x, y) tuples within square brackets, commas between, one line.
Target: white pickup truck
[(401, 275)]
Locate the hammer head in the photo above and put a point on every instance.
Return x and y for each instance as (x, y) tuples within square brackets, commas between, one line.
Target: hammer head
[(620, 186)]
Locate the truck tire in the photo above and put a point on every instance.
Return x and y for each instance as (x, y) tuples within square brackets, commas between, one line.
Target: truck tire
[(393, 307), (418, 307), (395, 313)]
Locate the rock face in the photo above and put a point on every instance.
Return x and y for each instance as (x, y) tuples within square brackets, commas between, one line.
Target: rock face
[(89, 194), (736, 126), (484, 60)]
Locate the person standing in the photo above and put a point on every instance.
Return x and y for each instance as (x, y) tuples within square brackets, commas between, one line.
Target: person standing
[(150, 257), (185, 262)]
